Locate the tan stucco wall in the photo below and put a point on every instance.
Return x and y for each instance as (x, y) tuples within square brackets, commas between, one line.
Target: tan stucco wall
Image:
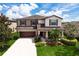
[(47, 21), (41, 21), (18, 22), (28, 22)]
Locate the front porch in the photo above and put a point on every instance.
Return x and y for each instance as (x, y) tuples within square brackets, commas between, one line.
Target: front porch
[(42, 34)]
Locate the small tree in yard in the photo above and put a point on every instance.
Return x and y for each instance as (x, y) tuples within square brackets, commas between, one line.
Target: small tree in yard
[(5, 31), (54, 34)]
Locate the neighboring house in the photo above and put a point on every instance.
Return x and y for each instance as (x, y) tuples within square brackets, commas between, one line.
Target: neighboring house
[(37, 25), (13, 25)]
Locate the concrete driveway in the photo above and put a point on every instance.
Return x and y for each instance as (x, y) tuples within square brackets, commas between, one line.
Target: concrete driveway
[(22, 47)]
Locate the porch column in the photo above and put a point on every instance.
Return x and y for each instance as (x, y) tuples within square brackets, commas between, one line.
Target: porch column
[(38, 33), (46, 34), (62, 34)]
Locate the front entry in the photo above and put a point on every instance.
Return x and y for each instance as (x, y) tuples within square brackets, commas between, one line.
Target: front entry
[(42, 34)]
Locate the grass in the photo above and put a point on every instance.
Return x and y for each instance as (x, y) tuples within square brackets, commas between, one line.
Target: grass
[(9, 42), (57, 51), (3, 50)]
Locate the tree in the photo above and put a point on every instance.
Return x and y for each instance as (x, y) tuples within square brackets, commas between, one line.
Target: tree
[(55, 34), (70, 30), (5, 31)]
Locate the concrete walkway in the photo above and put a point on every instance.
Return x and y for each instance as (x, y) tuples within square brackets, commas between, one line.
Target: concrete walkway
[(22, 47)]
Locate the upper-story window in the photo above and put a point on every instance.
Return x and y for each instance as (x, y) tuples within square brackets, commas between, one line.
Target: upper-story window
[(53, 22), (34, 22), (22, 23)]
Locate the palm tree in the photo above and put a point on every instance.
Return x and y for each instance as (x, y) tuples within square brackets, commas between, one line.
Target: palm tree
[(55, 34)]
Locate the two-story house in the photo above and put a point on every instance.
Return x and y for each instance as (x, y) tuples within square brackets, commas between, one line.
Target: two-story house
[(36, 25)]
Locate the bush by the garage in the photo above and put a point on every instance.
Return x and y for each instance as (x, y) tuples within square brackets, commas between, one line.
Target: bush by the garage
[(37, 39), (15, 35), (40, 44)]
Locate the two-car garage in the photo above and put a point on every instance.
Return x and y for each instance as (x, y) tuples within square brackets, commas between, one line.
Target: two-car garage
[(27, 34)]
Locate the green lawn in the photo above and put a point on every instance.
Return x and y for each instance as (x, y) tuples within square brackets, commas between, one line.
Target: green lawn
[(9, 43), (57, 51)]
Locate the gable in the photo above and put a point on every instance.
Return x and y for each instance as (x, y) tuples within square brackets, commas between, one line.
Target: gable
[(54, 16)]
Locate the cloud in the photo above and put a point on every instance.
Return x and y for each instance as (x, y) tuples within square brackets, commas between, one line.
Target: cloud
[(50, 13), (15, 8), (66, 18), (23, 10), (75, 18), (42, 12), (53, 12), (5, 6), (1, 7), (33, 5), (59, 11), (10, 13), (16, 15), (26, 9), (68, 6)]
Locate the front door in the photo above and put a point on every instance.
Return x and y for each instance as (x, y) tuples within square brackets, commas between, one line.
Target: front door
[(42, 34)]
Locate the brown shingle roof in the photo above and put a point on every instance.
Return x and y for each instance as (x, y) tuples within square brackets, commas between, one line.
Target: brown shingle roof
[(35, 17), (38, 17)]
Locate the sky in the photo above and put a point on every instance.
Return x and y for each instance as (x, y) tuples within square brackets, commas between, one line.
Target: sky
[(68, 11)]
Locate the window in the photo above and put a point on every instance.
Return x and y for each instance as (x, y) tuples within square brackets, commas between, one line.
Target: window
[(22, 22), (34, 22), (53, 22)]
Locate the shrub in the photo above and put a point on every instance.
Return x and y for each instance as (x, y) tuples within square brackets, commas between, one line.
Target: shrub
[(69, 43), (37, 39), (77, 38), (15, 35), (39, 44), (70, 37), (77, 45)]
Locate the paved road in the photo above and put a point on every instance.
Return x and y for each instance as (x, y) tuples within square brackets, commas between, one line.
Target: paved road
[(22, 47)]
